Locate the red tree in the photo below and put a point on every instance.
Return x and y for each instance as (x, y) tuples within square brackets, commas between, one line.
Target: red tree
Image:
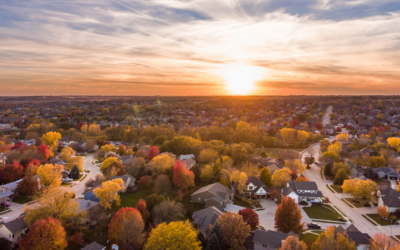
[(18, 145), (153, 152), (250, 217), (45, 234), (44, 151), (145, 180), (318, 125), (339, 129), (76, 239), (141, 206), (121, 149), (294, 175), (11, 172), (295, 122), (183, 177), (28, 186)]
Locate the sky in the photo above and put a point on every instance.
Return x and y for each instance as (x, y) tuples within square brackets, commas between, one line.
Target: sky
[(199, 47)]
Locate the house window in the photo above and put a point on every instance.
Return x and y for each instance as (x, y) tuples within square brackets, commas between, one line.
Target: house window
[(199, 199), (264, 246), (250, 187)]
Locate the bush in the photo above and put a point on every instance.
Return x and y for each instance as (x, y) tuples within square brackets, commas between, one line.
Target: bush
[(249, 203), (341, 219), (303, 203), (308, 167), (367, 204)]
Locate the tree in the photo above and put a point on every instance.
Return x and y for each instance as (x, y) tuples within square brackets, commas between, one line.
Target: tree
[(145, 181), (76, 240), (330, 157), (141, 206), (377, 161), (335, 147), (215, 240), (302, 178), (340, 177), (208, 155), (360, 189), (183, 177), (50, 175), (288, 136), (126, 229), (309, 160), (328, 240), (250, 169), (250, 217), (295, 165), (383, 212), (153, 200), (175, 235), (288, 216), (58, 205), (162, 184), (28, 186), (265, 177), (121, 150), (318, 125), (108, 193), (234, 229), (153, 152), (161, 163), (45, 152), (111, 167), (167, 211), (394, 142), (293, 243), (51, 140), (240, 179), (67, 153), (75, 161), (384, 242), (342, 137), (108, 148), (46, 234), (281, 177)]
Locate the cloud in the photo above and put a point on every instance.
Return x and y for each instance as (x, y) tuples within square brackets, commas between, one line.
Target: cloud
[(177, 47)]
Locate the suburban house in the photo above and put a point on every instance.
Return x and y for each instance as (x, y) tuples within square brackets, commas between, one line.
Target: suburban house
[(94, 246), (266, 240), (89, 195), (303, 191), (213, 195), (202, 219), (14, 230), (356, 172), (189, 162), (272, 163), (129, 181), (92, 209), (127, 159), (185, 157), (387, 173), (5, 193), (3, 158), (362, 241), (255, 188), (388, 197)]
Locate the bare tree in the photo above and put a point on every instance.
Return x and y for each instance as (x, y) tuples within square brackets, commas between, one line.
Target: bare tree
[(162, 184), (167, 211)]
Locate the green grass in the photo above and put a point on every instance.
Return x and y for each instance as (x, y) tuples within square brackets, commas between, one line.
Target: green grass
[(318, 232), (358, 205), (333, 191), (241, 203), (22, 200), (321, 221), (80, 176), (81, 179), (66, 184), (322, 213), (131, 199), (350, 205), (337, 188), (340, 211), (378, 220), (370, 220), (308, 238)]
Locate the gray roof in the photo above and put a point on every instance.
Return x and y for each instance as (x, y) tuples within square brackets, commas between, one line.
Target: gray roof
[(306, 185), (354, 234), (93, 246), (124, 177), (85, 205), (6, 194), (271, 238), (16, 225), (256, 182), (206, 217), (216, 189), (386, 170)]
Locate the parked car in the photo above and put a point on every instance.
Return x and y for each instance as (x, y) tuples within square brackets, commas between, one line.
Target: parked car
[(5, 204), (313, 226), (67, 179), (87, 171)]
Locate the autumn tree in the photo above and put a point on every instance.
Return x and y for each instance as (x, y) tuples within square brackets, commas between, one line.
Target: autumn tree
[(177, 235), (161, 163), (293, 243), (75, 161), (208, 155), (342, 137), (28, 186), (309, 160), (288, 216), (153, 152), (340, 177), (281, 177), (162, 184), (145, 181), (384, 242), (141, 206), (153, 200), (108, 148), (108, 193), (111, 167), (167, 211), (44, 151), (126, 229), (183, 177), (50, 175), (377, 161), (46, 234), (288, 136), (302, 178), (76, 240), (328, 240), (67, 153), (265, 177), (51, 140), (335, 147), (234, 229), (250, 169), (295, 165), (360, 189), (394, 142), (383, 212), (215, 240), (240, 179), (250, 217), (330, 157)]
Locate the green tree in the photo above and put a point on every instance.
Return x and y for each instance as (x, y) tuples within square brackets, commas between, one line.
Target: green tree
[(340, 177), (265, 177), (215, 239)]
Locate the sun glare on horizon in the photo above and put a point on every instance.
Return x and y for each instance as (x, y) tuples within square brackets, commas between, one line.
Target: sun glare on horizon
[(240, 78)]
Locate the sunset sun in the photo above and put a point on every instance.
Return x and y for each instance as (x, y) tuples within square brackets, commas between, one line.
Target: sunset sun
[(240, 78)]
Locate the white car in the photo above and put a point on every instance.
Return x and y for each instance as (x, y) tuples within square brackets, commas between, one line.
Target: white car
[(67, 179)]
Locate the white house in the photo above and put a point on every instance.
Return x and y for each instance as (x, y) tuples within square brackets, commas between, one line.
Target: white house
[(255, 188), (389, 198), (303, 191), (185, 157), (14, 230)]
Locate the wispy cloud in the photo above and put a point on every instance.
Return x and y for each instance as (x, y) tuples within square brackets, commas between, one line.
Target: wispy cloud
[(177, 47)]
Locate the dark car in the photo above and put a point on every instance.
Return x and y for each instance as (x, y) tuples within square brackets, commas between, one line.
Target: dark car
[(87, 171), (313, 226), (5, 204)]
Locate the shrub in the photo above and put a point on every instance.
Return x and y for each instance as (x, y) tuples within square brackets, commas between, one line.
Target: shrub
[(303, 203)]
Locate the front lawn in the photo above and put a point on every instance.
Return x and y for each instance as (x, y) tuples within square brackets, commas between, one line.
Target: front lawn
[(337, 188), (361, 203), (22, 200), (308, 238), (378, 220), (321, 213), (131, 199)]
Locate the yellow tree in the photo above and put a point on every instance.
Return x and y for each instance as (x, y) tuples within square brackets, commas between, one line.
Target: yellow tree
[(108, 148), (302, 136), (51, 140), (335, 148), (112, 166), (50, 175), (250, 169), (94, 129), (281, 177), (78, 161), (67, 153), (288, 136), (161, 163), (208, 155), (348, 186), (365, 189), (108, 193), (177, 235), (84, 128), (293, 243), (342, 137), (383, 212), (295, 165), (394, 142), (240, 178), (329, 240)]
